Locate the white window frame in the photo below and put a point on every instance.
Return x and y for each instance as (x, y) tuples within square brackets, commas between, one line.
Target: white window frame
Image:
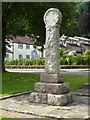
[(7, 55), (27, 46), (20, 56), (20, 46), (28, 57)]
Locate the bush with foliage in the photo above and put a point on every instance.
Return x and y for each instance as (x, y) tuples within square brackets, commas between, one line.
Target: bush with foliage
[(87, 52), (65, 59)]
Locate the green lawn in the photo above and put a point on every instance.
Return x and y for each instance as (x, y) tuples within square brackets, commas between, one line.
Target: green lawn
[(20, 82), (6, 118)]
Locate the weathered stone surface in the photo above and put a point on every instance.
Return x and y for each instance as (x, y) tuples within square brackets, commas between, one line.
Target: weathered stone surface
[(65, 87), (21, 104), (69, 98), (40, 87), (57, 88), (52, 19), (57, 100), (35, 97), (52, 78), (38, 97), (44, 98), (52, 88), (81, 99), (32, 97)]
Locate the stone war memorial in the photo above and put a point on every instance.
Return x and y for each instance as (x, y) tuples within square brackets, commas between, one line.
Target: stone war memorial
[(51, 89)]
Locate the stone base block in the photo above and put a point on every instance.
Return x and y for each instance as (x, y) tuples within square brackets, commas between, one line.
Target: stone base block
[(51, 99), (38, 97), (52, 88), (59, 100), (52, 78)]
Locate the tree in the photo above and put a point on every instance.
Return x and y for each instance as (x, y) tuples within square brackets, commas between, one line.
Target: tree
[(84, 18), (27, 18), (84, 24)]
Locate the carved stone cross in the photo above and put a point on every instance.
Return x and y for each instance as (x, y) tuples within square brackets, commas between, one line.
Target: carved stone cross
[(52, 19), (51, 89)]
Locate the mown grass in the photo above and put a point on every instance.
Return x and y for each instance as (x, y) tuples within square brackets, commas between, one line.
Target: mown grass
[(20, 82), (6, 118), (76, 81)]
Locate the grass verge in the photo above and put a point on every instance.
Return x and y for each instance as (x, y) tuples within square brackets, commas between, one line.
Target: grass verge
[(20, 82)]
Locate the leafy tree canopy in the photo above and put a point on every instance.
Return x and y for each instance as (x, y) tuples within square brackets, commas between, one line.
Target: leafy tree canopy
[(84, 18), (27, 18)]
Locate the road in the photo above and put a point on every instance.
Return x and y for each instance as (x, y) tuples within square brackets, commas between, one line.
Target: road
[(83, 72)]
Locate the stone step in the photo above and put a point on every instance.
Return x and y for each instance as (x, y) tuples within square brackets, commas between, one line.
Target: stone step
[(52, 88), (82, 96), (86, 86), (52, 78), (51, 99)]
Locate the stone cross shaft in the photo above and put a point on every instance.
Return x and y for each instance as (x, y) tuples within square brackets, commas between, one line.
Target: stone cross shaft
[(52, 19)]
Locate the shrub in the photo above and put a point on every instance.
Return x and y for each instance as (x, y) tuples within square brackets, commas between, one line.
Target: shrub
[(26, 62), (87, 52), (7, 62), (64, 60), (86, 60), (79, 59), (72, 60), (66, 51), (61, 61), (20, 62), (61, 52), (42, 61)]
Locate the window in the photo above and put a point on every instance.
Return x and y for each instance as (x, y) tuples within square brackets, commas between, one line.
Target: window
[(7, 55), (20, 56), (20, 46), (27, 56), (34, 54), (27, 46), (34, 46)]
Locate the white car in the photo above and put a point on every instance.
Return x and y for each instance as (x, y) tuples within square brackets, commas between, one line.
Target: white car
[(72, 53)]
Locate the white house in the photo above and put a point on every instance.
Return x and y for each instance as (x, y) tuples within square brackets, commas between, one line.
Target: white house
[(74, 43), (22, 47)]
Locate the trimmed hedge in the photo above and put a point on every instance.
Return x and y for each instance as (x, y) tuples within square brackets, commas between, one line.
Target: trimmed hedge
[(43, 66), (25, 62), (65, 60), (69, 61)]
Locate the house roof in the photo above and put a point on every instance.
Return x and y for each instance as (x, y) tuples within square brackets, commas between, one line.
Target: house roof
[(86, 46), (72, 46), (62, 46), (8, 51), (23, 40)]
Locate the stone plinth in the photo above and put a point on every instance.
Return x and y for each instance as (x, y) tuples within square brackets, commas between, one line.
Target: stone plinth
[(38, 97), (52, 78), (51, 99), (52, 88)]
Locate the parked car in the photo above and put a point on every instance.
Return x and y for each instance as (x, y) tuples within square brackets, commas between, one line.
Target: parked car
[(72, 53)]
